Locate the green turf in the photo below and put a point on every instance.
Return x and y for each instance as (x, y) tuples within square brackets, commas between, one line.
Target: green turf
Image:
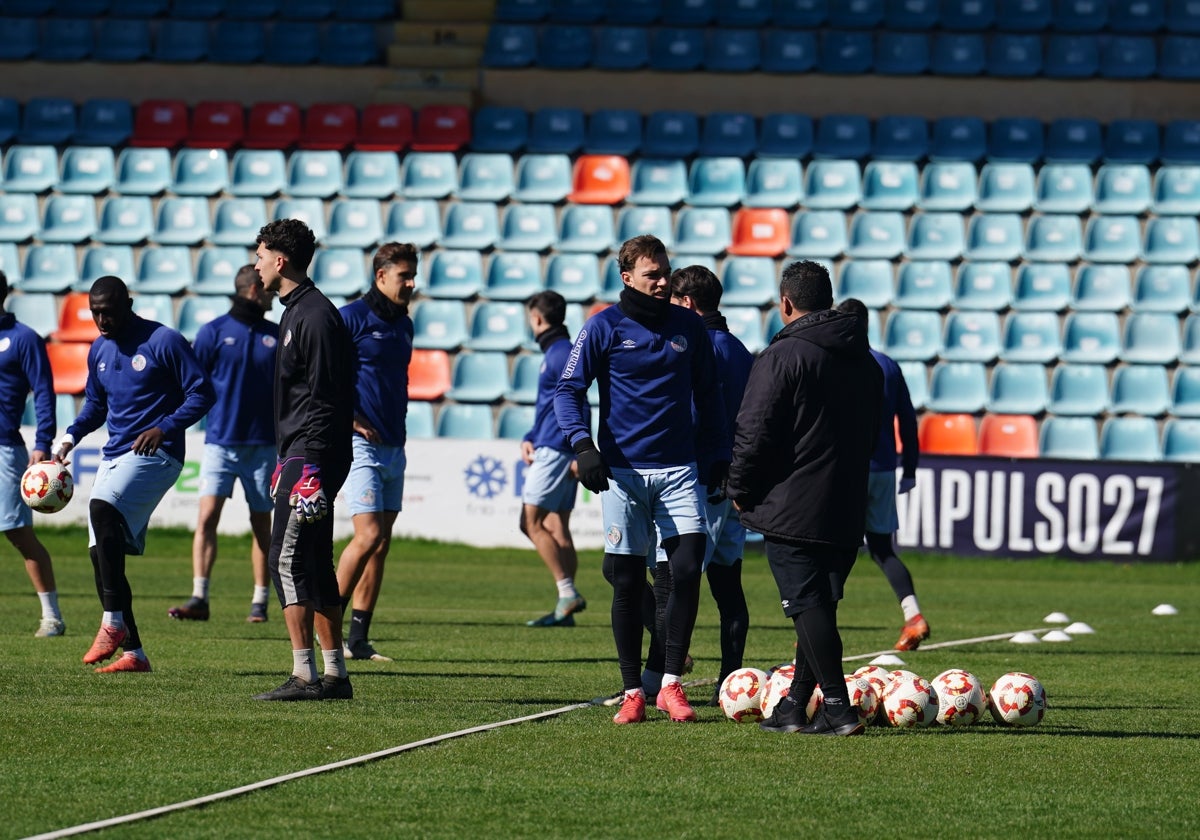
[(1115, 756)]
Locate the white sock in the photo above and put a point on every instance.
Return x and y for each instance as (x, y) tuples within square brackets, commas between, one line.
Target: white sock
[(138, 652), (670, 678), (260, 595), (49, 605), (335, 663), (566, 588), (634, 692), (910, 606), (303, 665), (200, 588), (114, 619)]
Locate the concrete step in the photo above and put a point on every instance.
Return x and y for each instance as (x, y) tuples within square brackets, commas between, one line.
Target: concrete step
[(445, 56), (479, 11), (445, 33)]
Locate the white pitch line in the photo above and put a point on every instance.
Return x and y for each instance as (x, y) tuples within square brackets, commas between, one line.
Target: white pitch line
[(952, 643)]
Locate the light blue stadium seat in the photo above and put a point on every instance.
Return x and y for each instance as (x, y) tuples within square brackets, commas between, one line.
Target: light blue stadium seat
[(634, 220), (610, 281), (1078, 390), (957, 54), (1177, 190), (49, 268), (913, 335), (1091, 337), (30, 169), (994, 236), (1102, 288), (514, 421), (876, 234), (418, 422), (818, 233), (716, 182), (1015, 139), (154, 307), (658, 181), (166, 270), (558, 131), (311, 211), (1112, 239), (1140, 389), (1018, 388), (371, 175), (340, 272), (924, 284), (514, 275), (18, 217), (842, 136), (787, 135), (429, 175), (1162, 288), (143, 171), (703, 231), (1130, 439), (498, 128), (748, 281), (773, 182), (1006, 187), (832, 185), (729, 134), (746, 324), (574, 276), (983, 285), (36, 310), (527, 227), (1064, 188), (69, 218), (1128, 57), (585, 228), (457, 275), (1031, 337), (216, 269), (1071, 438), (49, 120), (935, 236), (258, 172), (774, 324), (971, 337), (485, 176), (479, 377), (1150, 338), (870, 281), (1053, 238), (902, 53), (957, 388), (1014, 55), (200, 172), (1185, 392), (1074, 140), (470, 225), (1181, 440), (87, 170), (415, 220), (358, 223), (1171, 239), (542, 178), (958, 138), (614, 131), (101, 260), (948, 186), (890, 185), (237, 221), (314, 173), (1125, 189), (469, 422), (621, 48), (1132, 141), (916, 377), (498, 326), (523, 384), (197, 310)]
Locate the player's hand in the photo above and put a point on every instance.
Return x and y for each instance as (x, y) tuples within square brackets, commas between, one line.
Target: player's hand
[(37, 456), (593, 472), (64, 446), (527, 452), (275, 478), (366, 430), (718, 475), (148, 442), (907, 483), (308, 497)]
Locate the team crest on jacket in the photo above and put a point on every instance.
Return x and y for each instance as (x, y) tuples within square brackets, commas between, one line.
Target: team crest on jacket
[(229, 341), (679, 343), (287, 338), (613, 537), (138, 363), (268, 341), (5, 343)]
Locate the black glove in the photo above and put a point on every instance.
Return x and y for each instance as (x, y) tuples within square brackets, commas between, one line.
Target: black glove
[(593, 472), (718, 476)]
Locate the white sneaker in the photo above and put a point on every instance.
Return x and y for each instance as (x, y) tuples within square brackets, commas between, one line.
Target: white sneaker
[(50, 627)]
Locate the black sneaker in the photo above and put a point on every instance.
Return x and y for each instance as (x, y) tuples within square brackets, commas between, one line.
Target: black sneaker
[(335, 688), (846, 723), (196, 609), (294, 689), (787, 717)]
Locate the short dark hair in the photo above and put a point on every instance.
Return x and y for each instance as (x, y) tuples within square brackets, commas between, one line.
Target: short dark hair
[(290, 237), (246, 277), (806, 284), (3, 287), (698, 283), (646, 245), (109, 286), (854, 306), (550, 305), (391, 253)]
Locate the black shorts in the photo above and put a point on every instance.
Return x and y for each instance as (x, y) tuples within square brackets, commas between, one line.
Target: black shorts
[(301, 558), (809, 575)]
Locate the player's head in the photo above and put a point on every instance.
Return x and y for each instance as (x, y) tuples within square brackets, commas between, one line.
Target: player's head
[(696, 288), (111, 305), (645, 267), (395, 267), (546, 309), (285, 248), (805, 287), (3, 288), (855, 307), (247, 284)]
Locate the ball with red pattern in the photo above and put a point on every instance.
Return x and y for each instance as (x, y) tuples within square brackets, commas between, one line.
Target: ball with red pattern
[(1018, 699), (961, 699), (47, 487), (778, 687), (910, 703), (741, 694)]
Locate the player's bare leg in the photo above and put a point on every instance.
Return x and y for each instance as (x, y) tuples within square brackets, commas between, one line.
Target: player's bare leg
[(41, 575), (260, 529), (204, 557), (550, 533), (360, 578)]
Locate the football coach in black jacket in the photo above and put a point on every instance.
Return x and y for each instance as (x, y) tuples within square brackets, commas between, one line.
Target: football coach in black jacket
[(808, 423)]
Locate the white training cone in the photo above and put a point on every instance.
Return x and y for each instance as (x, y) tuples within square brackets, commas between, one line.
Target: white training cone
[(1164, 609), (1056, 636), (1024, 639), (1056, 618), (888, 659), (1079, 629)]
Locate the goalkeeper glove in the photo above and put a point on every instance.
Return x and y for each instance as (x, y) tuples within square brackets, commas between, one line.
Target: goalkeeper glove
[(907, 482), (718, 475), (275, 478), (308, 497), (593, 472)]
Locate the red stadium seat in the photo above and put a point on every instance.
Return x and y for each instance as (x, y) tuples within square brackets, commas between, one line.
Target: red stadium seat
[(68, 365), (760, 232), (273, 125), (329, 125), (217, 125), (428, 375), (442, 128), (385, 127), (600, 179), (597, 307), (75, 320), (1008, 435), (160, 122), (948, 434)]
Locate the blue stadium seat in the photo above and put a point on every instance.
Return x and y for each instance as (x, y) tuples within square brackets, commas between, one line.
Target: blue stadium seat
[(513, 276), (1091, 337), (621, 48), (311, 211), (1064, 188), (251, 9), (18, 217), (564, 47), (1080, 15), (523, 383), (182, 220), (1070, 438), (1015, 139), (968, 15), (574, 276), (18, 38), (1181, 440), (1150, 338), (314, 173), (1185, 392), (1129, 439), (197, 310), (418, 422), (1006, 187), (237, 42), (497, 128), (237, 221), (917, 380), (832, 185), (957, 54), (610, 281), (125, 220), (671, 134), (634, 220), (1078, 390), (773, 182), (901, 53), (499, 326), (1112, 239), (957, 388), (585, 228), (104, 122), (468, 422), (948, 186), (556, 131), (182, 41), (1125, 189), (1137, 15), (1053, 238), (166, 270), (470, 225), (789, 51), (842, 136), (676, 49), (1074, 140), (845, 52), (1018, 388), (30, 169), (728, 134), (983, 285), (958, 138), (746, 324), (913, 15), (800, 14), (527, 227), (1132, 141), (748, 281), (514, 421), (876, 234), (1024, 15), (735, 51), (200, 172), (1177, 190), (900, 138), (143, 171), (1179, 58), (1181, 142), (935, 236), (786, 135), (478, 377), (87, 170), (10, 113), (658, 181), (346, 44), (1140, 389), (1044, 287), (454, 275), (154, 307), (716, 182), (688, 12), (614, 131), (1101, 288), (542, 178), (1014, 55), (863, 14), (818, 233), (971, 337), (371, 175), (339, 271), (1128, 57), (293, 42), (486, 177), (216, 269), (870, 281), (744, 13), (429, 175), (69, 218), (358, 223), (258, 172), (66, 39), (994, 236), (703, 231), (49, 268), (1031, 337), (912, 335), (889, 185), (1162, 288), (100, 260), (923, 284), (1071, 56), (1171, 239)]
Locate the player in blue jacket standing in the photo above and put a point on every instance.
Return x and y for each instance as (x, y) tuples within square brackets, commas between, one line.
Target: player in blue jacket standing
[(382, 335), (237, 351), (145, 381), (652, 361)]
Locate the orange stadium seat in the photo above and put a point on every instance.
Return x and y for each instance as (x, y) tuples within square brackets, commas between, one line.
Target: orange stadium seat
[(385, 127), (272, 125), (600, 179), (760, 232), (442, 128), (75, 320), (1008, 435), (217, 125), (160, 122), (329, 125), (68, 364), (428, 374), (948, 434)]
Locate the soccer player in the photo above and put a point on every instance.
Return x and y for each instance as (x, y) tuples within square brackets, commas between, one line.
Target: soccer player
[(652, 360), (882, 520), (802, 448), (25, 368), (382, 336), (237, 351), (145, 381), (314, 415), (548, 495)]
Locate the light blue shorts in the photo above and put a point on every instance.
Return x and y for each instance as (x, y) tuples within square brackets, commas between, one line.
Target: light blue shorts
[(14, 513), (548, 482), (726, 537), (881, 503), (638, 501), (134, 484), (221, 466), (376, 480)]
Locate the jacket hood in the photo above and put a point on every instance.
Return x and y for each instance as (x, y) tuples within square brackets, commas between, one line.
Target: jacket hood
[(835, 332)]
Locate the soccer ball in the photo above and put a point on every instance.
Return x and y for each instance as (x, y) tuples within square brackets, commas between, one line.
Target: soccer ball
[(863, 697), (961, 699), (910, 703), (778, 686), (741, 694), (47, 487), (880, 679), (1018, 700), (901, 674)]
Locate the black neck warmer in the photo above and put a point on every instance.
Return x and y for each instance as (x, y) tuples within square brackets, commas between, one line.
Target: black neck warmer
[(646, 310), (715, 321), (548, 336), (246, 311), (381, 306)]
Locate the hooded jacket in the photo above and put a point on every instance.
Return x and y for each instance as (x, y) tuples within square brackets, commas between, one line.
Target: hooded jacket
[(807, 426)]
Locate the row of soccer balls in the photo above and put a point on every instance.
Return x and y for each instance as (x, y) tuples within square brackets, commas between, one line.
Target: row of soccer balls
[(899, 698), (47, 487)]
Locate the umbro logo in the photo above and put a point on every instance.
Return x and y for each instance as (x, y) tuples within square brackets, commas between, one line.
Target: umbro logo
[(629, 344)]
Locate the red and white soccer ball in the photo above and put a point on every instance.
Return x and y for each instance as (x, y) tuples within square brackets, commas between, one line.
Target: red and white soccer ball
[(1018, 700), (778, 687), (880, 679), (863, 697), (741, 694), (961, 699), (47, 487), (910, 703)]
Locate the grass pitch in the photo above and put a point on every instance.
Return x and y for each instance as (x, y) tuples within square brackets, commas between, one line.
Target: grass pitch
[(1114, 757)]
